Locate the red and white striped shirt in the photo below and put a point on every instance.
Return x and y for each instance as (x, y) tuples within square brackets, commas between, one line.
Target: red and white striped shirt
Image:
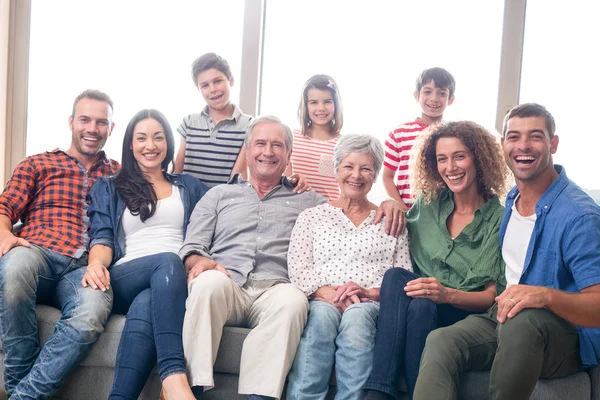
[(314, 159), (398, 148)]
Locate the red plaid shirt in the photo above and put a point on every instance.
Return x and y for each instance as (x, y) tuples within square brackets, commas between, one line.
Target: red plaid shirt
[(49, 193)]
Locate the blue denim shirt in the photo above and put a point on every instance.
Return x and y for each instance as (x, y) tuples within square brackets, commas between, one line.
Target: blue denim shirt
[(564, 249), (107, 207)]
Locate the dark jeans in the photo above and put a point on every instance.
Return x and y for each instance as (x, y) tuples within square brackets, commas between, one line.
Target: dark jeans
[(398, 348), (152, 291)]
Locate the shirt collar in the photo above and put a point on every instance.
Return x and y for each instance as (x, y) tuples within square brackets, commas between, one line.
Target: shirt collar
[(237, 112), (101, 153), (487, 210), (553, 191), (237, 179)]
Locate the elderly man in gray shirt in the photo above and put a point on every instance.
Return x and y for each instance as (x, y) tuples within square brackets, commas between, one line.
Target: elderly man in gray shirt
[(235, 253)]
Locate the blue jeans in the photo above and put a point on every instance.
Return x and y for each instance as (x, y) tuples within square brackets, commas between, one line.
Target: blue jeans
[(152, 291), (329, 335), (35, 274), (398, 349)]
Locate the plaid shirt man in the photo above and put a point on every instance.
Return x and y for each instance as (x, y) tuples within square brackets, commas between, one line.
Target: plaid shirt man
[(49, 193)]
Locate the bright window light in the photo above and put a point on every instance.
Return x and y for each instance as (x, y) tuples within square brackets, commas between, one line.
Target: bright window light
[(137, 51), (375, 51), (560, 68)]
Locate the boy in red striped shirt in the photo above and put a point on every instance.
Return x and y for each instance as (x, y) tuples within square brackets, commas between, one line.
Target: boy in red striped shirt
[(434, 92)]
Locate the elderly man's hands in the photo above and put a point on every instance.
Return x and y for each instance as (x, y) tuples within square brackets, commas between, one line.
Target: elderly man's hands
[(395, 217), (196, 264)]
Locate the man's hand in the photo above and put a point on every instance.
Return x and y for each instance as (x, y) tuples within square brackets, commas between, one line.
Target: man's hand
[(518, 297), (299, 183), (96, 276), (395, 217), (428, 288), (8, 241), (195, 265)]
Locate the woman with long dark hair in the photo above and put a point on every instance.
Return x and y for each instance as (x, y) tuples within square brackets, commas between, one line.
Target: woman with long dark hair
[(138, 220)]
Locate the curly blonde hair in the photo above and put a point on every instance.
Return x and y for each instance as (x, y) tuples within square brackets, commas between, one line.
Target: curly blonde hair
[(492, 172)]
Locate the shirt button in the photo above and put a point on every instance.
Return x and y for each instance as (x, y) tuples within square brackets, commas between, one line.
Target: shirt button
[(441, 262), (445, 276), (449, 246), (260, 218), (287, 202), (258, 238)]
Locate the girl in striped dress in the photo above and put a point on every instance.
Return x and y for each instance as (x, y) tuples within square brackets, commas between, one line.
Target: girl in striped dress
[(320, 116)]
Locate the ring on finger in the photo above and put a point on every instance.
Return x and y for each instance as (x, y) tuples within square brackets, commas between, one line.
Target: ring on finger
[(427, 292), (513, 300)]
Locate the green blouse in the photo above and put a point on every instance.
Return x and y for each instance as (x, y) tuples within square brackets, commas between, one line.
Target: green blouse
[(467, 262)]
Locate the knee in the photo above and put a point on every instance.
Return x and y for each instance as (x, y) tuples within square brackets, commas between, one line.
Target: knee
[(89, 318), (361, 319), (19, 269), (170, 271), (323, 316), (210, 286), (523, 330), (294, 305), (394, 279), (439, 343)]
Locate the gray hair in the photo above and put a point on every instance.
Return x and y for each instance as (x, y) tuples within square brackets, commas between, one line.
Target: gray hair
[(289, 137), (363, 144)]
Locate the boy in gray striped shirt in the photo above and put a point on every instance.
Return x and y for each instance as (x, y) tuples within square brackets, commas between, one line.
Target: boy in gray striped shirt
[(211, 140)]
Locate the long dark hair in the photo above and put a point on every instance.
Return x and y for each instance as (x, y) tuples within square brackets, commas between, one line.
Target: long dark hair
[(131, 183)]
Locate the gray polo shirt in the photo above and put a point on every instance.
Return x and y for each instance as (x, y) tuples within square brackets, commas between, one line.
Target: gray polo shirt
[(247, 235), (212, 150)]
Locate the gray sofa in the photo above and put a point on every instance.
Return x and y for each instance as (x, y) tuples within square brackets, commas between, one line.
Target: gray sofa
[(93, 379)]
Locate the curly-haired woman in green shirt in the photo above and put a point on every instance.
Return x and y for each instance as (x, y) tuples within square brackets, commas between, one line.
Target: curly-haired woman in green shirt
[(454, 243)]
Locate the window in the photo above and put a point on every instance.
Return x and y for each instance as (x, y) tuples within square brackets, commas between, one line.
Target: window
[(560, 68), (138, 51), (375, 52)]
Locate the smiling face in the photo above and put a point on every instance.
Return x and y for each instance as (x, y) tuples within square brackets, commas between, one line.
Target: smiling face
[(355, 175), (433, 102), (321, 108), (528, 148), (266, 154), (90, 126), (214, 86), (149, 145), (456, 165)]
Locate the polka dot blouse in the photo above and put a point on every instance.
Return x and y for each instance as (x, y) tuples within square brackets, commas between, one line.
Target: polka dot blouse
[(326, 248)]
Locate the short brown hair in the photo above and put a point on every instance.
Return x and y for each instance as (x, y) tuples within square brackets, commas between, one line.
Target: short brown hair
[(94, 95), (208, 61), (526, 110)]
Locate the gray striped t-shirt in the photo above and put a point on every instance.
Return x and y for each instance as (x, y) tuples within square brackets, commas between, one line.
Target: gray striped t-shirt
[(211, 150)]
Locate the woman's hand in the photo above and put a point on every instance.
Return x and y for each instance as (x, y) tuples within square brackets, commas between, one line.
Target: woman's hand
[(96, 276), (429, 288), (356, 294), (299, 183), (329, 295)]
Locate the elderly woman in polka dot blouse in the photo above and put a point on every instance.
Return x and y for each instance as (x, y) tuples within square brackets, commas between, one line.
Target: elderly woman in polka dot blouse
[(338, 257)]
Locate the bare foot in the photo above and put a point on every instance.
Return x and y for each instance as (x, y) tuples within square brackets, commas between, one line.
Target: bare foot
[(176, 387)]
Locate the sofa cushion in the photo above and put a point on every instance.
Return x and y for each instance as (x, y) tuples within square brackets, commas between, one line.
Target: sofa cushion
[(577, 386)]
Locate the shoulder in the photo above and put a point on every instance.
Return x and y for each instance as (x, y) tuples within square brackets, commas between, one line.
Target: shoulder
[(409, 127)]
